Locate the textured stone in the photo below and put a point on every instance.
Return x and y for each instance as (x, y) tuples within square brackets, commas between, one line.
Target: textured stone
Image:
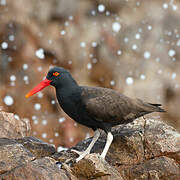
[(144, 142), (154, 169), (161, 139), (12, 155), (145, 149), (41, 169), (11, 127), (37, 147), (93, 167)]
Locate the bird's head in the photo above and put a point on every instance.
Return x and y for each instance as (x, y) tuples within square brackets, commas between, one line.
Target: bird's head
[(56, 77)]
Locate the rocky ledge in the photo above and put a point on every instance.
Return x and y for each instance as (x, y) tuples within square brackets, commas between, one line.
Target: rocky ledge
[(145, 149)]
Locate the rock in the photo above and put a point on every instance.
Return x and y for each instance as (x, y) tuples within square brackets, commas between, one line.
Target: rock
[(161, 139), (142, 144), (144, 149), (42, 169), (13, 127), (154, 169), (21, 159), (92, 167), (37, 147), (12, 155)]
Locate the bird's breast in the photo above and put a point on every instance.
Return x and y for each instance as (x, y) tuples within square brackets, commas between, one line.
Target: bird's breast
[(71, 105)]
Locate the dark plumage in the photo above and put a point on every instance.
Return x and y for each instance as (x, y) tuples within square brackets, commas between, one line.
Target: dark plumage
[(94, 107)]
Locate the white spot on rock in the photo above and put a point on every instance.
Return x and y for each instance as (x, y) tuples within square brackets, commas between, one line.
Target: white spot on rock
[(112, 83), (53, 102), (44, 135), (174, 7), (82, 44), (149, 27), (51, 140), (173, 76), (34, 117), (134, 46), (62, 119), (165, 5), (93, 12), (116, 26), (129, 80), (35, 121), (2, 2), (37, 106), (11, 37), (137, 36), (94, 44), (71, 139), (71, 18), (4, 45), (107, 13), (8, 100), (44, 122), (16, 117), (101, 8), (39, 68), (40, 53), (25, 66), (26, 78), (12, 78), (56, 134), (126, 39), (119, 52), (89, 65), (171, 52), (63, 32), (147, 54), (40, 95), (142, 76), (178, 43)]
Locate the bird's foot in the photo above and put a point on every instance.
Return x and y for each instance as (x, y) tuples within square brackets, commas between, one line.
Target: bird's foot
[(102, 156), (81, 157), (77, 152), (81, 154)]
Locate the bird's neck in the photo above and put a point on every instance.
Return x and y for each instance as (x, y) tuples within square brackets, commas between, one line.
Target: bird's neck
[(67, 89)]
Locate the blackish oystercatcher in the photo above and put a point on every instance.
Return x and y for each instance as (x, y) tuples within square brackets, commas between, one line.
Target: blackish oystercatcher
[(94, 107)]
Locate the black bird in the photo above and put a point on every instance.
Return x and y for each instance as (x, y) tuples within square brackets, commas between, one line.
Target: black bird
[(94, 107)]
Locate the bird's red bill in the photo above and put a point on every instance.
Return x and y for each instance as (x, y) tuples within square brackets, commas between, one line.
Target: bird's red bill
[(39, 87)]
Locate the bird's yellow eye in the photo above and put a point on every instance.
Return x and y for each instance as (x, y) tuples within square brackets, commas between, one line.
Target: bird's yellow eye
[(55, 74)]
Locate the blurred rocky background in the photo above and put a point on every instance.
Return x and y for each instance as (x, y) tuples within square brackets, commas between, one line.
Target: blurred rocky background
[(130, 46)]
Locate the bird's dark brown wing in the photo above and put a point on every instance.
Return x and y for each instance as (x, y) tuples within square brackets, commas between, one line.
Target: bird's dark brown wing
[(107, 105), (110, 106)]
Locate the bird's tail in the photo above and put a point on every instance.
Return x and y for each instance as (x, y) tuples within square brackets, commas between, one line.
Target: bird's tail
[(149, 107), (157, 108)]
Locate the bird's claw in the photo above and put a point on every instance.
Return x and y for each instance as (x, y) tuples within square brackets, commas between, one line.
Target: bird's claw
[(77, 152), (80, 157), (81, 154)]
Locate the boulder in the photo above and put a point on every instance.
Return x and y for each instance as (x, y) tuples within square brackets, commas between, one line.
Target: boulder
[(144, 149), (41, 169), (12, 155), (11, 126)]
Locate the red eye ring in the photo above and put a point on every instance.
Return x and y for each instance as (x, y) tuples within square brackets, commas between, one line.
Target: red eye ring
[(55, 74)]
